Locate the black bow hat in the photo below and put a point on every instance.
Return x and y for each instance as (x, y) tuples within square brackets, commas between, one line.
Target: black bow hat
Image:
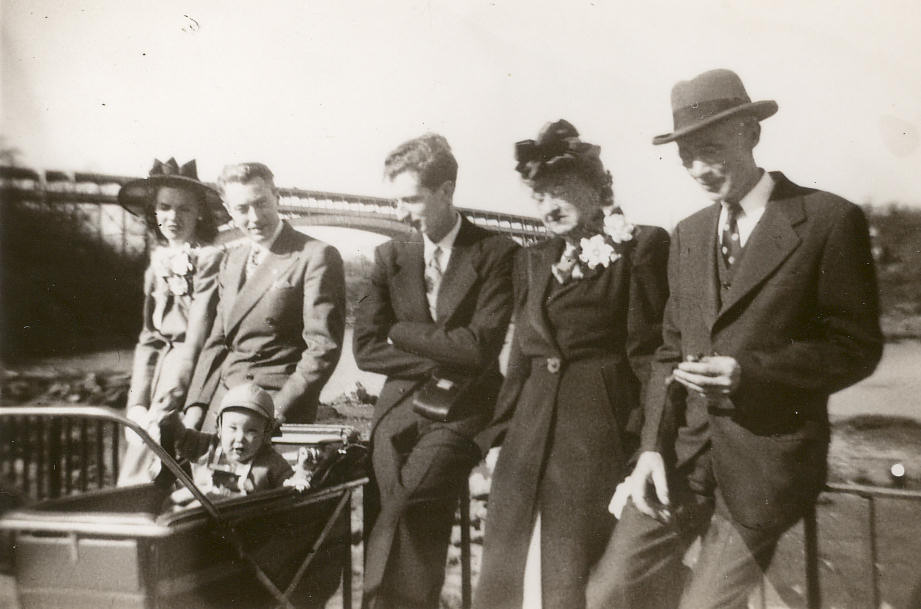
[(135, 195), (557, 143)]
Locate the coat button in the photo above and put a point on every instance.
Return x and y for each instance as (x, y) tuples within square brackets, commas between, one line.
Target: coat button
[(553, 365), (250, 377)]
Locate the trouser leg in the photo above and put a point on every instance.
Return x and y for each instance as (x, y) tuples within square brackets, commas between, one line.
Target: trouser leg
[(732, 561), (642, 567), (409, 543)]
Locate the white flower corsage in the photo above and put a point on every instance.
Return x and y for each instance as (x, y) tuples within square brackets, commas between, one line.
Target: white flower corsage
[(596, 250), (600, 249), (176, 268)]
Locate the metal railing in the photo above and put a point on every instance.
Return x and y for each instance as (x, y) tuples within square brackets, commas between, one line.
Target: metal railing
[(811, 538), (51, 186), (46, 458)]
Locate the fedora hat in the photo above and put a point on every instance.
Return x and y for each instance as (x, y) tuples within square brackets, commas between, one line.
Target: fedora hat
[(709, 98), (135, 195)]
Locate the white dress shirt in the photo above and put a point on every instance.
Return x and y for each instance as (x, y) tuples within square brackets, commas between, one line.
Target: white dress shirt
[(428, 250), (257, 251), (752, 204)]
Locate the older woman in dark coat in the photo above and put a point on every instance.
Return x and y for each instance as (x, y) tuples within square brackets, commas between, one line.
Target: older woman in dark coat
[(588, 314)]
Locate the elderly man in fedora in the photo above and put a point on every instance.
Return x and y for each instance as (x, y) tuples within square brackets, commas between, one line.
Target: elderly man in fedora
[(773, 307)]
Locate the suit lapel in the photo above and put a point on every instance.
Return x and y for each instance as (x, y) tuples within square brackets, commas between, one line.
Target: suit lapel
[(233, 275), (278, 260), (459, 276), (704, 263), (772, 241), (161, 302), (408, 281), (540, 259)]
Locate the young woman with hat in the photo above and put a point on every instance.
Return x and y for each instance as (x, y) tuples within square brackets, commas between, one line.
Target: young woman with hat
[(588, 308), (180, 289)]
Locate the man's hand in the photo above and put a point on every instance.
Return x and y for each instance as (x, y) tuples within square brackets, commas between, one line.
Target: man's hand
[(712, 376), (168, 403), (619, 500), (649, 487), (193, 416)]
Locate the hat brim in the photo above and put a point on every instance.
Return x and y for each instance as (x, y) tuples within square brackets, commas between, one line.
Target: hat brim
[(759, 109), (133, 196)]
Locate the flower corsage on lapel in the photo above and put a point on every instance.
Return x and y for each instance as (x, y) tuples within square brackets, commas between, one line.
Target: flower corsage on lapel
[(598, 250), (177, 268)]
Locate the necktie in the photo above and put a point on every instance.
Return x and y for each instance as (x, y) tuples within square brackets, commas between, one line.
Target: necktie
[(433, 273), (730, 242), (252, 262)]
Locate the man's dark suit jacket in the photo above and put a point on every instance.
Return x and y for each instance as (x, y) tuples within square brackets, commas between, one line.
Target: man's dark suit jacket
[(801, 317), (395, 334), (282, 329)]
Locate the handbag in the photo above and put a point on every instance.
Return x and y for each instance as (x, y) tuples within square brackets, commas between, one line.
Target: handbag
[(442, 394)]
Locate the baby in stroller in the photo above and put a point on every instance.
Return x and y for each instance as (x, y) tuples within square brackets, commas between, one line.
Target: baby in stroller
[(239, 459)]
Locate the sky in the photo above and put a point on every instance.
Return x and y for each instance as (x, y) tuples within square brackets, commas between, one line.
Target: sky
[(322, 90)]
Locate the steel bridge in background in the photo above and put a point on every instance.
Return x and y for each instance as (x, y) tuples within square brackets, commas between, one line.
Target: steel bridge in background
[(299, 206)]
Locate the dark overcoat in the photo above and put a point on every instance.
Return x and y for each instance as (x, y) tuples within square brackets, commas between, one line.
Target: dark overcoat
[(420, 465), (801, 317), (569, 414)]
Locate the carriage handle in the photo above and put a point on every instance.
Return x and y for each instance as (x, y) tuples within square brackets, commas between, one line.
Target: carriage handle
[(113, 416), (101, 413)]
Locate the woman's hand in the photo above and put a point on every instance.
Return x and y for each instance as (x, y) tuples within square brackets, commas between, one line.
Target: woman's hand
[(140, 415), (167, 404)]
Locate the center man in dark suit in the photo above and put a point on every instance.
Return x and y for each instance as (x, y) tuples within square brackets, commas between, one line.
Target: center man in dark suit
[(772, 307), (440, 298)]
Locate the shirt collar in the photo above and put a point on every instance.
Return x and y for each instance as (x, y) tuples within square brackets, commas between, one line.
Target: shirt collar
[(267, 245), (446, 242), (757, 198)]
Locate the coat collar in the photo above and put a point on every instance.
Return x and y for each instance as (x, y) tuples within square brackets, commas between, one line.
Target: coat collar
[(701, 229), (243, 298), (460, 274), (456, 281), (408, 278), (772, 241), (541, 258)]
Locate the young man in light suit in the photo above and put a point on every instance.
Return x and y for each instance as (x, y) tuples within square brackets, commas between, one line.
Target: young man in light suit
[(773, 307), (281, 308), (440, 297)]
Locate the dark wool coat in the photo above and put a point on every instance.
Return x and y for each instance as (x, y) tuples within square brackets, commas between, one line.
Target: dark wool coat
[(420, 465), (570, 414), (801, 316)]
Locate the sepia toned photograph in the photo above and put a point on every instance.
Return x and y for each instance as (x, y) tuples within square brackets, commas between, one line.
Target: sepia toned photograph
[(452, 305)]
